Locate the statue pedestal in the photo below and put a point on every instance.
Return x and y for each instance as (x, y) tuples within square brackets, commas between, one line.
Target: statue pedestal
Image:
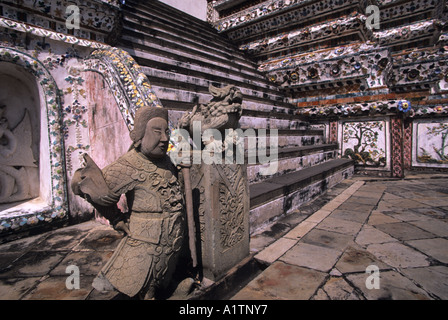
[(221, 206)]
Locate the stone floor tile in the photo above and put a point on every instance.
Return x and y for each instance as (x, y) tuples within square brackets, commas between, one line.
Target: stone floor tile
[(362, 200), (328, 239), (434, 279), (434, 202), (301, 230), (35, 263), (369, 194), (259, 242), (404, 231), (400, 205), (100, 240), (393, 286), (16, 288), (355, 259), (436, 213), (433, 226), (340, 225), (62, 240), (311, 256), (320, 295), (54, 288), (318, 216), (22, 245), (378, 217), (356, 216), (436, 248), (88, 262), (282, 281), (369, 235), (7, 259), (389, 196), (275, 250), (407, 216), (336, 288), (398, 255), (353, 206)]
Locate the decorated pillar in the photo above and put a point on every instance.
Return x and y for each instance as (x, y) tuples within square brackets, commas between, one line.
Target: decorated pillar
[(221, 205), (333, 132), (397, 146), (219, 184)]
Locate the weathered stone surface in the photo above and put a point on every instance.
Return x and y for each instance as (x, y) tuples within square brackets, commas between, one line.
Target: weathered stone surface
[(282, 282), (88, 262), (63, 239), (378, 217), (404, 231), (100, 240), (222, 207), (302, 229), (439, 228), (328, 239), (337, 288), (16, 288), (275, 250), (35, 263), (393, 286), (311, 256), (370, 235), (436, 248), (341, 226), (357, 260), (55, 287), (434, 279), (398, 255), (353, 206), (356, 216)]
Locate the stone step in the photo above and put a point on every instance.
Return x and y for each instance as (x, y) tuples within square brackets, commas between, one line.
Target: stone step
[(281, 195), (175, 63), (173, 80), (139, 26), (192, 95), (133, 38), (294, 159), (174, 19), (194, 63)]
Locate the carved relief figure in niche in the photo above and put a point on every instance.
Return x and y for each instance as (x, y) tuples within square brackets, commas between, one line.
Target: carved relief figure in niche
[(155, 224), (18, 167)]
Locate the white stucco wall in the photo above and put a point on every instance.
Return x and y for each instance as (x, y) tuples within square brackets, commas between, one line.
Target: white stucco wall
[(196, 8)]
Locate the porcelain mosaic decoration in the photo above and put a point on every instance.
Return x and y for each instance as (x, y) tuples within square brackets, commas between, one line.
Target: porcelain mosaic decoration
[(432, 143), (59, 62), (365, 142), (57, 208)]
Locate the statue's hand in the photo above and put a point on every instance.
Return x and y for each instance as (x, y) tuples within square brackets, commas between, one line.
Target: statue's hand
[(89, 183), (122, 226)]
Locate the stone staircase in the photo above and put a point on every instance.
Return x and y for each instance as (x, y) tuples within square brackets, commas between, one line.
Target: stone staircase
[(182, 56)]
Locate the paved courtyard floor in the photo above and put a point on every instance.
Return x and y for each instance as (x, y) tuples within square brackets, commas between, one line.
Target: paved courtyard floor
[(397, 230), (371, 240)]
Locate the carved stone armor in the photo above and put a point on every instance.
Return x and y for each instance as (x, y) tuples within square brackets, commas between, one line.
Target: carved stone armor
[(147, 255)]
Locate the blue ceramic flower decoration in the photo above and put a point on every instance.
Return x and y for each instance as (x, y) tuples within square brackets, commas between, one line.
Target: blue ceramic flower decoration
[(404, 106)]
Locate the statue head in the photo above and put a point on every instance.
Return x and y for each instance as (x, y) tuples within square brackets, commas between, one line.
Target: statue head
[(151, 132)]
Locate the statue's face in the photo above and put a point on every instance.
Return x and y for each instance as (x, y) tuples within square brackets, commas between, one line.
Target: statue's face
[(156, 139)]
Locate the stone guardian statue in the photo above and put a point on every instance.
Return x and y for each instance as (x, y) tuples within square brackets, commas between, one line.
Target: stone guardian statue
[(155, 225)]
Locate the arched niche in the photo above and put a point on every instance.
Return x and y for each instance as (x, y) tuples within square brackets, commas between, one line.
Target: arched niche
[(30, 115)]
